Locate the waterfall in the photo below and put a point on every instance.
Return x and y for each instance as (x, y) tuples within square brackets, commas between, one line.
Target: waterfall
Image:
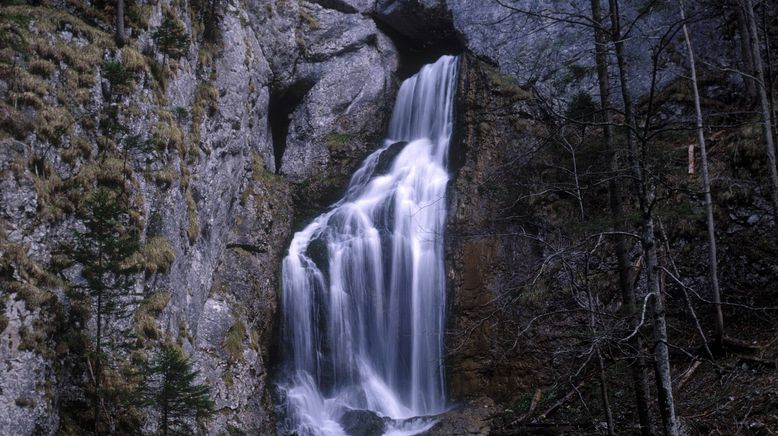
[(363, 285)]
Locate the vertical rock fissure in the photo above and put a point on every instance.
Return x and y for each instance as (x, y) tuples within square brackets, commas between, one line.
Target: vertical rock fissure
[(282, 104)]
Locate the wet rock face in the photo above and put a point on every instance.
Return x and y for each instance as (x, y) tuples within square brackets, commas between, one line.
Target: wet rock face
[(495, 125), (235, 328), (363, 423)]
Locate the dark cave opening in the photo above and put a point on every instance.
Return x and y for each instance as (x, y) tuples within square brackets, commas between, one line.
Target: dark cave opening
[(420, 35), (283, 102)]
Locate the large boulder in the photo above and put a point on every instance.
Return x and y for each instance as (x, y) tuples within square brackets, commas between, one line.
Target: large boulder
[(362, 423), (346, 78), (471, 418)]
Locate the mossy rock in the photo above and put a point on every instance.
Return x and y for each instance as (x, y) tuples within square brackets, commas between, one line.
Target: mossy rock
[(387, 157), (233, 340), (317, 251)]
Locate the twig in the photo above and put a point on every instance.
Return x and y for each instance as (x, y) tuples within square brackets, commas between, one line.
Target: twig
[(563, 400), (688, 374), (642, 318)]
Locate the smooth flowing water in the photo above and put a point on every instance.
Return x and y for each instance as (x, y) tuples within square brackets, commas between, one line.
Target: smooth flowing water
[(363, 285)]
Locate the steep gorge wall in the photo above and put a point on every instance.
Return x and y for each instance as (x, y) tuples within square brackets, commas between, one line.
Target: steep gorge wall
[(205, 187), (499, 129)]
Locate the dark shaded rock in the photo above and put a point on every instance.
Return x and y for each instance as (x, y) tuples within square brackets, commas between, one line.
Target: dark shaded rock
[(425, 21), (473, 418), (387, 157), (422, 30), (494, 126), (282, 104), (317, 251), (338, 5), (363, 423)]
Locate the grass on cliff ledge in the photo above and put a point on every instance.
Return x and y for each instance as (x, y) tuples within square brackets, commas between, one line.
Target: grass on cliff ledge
[(233, 340), (147, 313), (505, 84)]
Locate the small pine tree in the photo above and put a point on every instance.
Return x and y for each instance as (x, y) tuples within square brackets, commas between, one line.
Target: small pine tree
[(169, 387), (581, 108), (172, 38), (109, 239), (119, 77)]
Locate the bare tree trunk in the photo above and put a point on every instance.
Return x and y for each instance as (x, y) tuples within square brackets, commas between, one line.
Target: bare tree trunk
[(745, 50), (770, 81), (606, 403), (121, 35), (98, 366), (645, 191), (764, 102), (165, 416), (712, 261), (661, 350), (640, 381)]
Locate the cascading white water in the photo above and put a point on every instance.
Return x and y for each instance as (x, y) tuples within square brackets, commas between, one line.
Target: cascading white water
[(363, 296)]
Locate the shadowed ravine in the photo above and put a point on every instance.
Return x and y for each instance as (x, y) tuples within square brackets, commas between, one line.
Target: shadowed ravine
[(363, 285)]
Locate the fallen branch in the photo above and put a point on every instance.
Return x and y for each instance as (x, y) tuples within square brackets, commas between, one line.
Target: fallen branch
[(563, 400), (759, 361), (535, 400), (688, 374)]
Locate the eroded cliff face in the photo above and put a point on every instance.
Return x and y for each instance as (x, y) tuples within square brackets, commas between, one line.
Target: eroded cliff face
[(213, 191), (499, 125)]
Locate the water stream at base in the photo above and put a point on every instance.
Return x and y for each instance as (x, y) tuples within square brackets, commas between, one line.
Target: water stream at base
[(363, 285)]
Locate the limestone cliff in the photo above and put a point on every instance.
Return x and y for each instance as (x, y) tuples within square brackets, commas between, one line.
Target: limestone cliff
[(212, 184)]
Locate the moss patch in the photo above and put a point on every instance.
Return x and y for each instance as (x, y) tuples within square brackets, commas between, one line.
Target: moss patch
[(233, 340), (505, 84), (156, 256), (145, 317), (167, 133), (165, 176), (337, 141), (193, 227)]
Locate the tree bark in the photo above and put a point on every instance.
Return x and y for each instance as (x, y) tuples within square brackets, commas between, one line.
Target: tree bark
[(712, 261), (121, 34), (640, 381), (98, 367), (606, 403), (770, 76), (645, 191), (764, 102), (98, 347), (745, 50)]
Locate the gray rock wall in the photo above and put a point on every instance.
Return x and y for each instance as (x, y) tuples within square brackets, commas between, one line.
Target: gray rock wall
[(211, 192)]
